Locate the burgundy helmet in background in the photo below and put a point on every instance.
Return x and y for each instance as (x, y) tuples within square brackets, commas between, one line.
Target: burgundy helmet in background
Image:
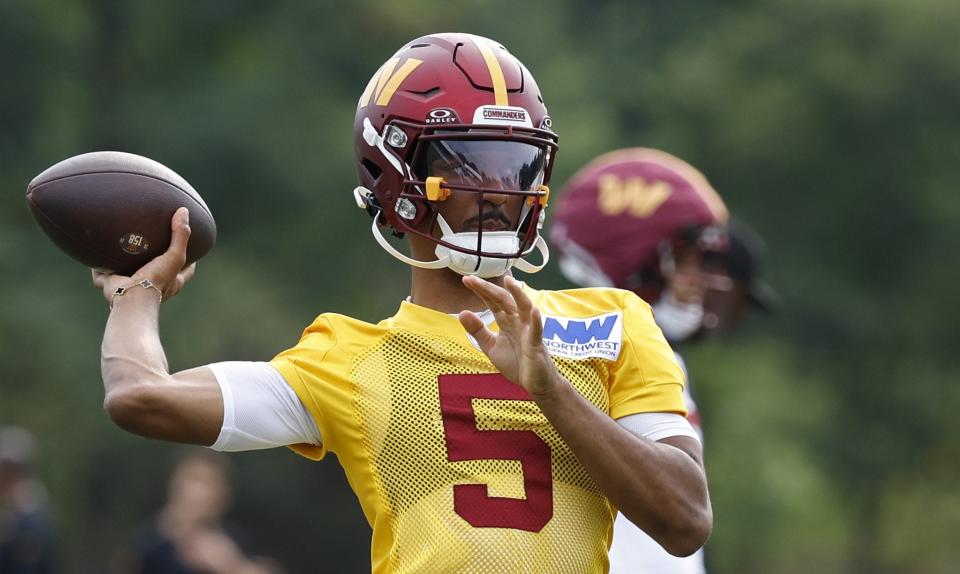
[(615, 217)]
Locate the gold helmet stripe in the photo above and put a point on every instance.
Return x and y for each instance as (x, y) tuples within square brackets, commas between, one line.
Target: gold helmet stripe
[(385, 74), (396, 78), (385, 82), (375, 81), (496, 72)]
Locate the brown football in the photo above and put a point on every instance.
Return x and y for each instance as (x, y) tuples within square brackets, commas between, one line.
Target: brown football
[(111, 210)]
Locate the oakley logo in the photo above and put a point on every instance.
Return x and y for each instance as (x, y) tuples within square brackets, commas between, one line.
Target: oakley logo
[(442, 116), (582, 338)]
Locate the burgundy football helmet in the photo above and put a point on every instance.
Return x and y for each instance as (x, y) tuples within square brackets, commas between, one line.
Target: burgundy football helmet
[(464, 103), (624, 215)]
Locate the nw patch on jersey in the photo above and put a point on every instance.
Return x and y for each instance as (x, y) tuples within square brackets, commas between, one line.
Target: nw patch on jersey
[(598, 337)]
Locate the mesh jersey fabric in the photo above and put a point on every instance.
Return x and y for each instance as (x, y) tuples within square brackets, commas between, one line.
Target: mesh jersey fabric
[(456, 469)]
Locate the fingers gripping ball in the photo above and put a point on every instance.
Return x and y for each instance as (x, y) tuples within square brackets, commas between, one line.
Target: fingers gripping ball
[(111, 210)]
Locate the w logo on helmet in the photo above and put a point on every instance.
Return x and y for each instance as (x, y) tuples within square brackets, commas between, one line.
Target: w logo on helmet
[(385, 82), (634, 195)]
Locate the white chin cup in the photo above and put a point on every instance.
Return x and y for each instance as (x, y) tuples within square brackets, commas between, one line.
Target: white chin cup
[(470, 264), (677, 320)]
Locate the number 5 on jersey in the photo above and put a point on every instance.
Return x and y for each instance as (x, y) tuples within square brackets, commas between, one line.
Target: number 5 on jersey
[(466, 442)]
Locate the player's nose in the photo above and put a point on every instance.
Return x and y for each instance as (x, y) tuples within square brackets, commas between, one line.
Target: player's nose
[(495, 185)]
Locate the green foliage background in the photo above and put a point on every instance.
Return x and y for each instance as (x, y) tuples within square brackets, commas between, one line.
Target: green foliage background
[(830, 125)]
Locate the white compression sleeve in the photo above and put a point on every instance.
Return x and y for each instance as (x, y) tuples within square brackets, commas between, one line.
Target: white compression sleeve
[(658, 426), (260, 410)]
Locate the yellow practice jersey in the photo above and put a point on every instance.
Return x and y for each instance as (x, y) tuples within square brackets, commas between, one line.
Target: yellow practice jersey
[(456, 468)]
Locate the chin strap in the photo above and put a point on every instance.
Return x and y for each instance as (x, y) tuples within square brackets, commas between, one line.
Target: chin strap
[(444, 261), (526, 266), (435, 264)]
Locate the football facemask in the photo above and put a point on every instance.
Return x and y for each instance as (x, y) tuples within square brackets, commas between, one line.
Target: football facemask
[(503, 179)]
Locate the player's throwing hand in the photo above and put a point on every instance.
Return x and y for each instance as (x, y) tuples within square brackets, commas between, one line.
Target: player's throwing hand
[(166, 271)]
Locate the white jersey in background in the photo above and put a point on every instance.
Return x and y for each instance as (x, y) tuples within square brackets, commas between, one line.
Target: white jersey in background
[(632, 551)]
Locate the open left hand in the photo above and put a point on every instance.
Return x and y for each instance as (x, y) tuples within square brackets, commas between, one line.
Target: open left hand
[(517, 351)]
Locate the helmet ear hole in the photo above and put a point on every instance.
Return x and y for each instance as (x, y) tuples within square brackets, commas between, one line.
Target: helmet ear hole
[(372, 169)]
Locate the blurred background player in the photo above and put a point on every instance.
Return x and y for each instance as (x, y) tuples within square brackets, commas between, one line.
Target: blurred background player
[(26, 528), (732, 283), (188, 535), (644, 220)]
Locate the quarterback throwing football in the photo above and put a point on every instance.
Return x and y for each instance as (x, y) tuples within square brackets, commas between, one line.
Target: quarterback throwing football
[(486, 426)]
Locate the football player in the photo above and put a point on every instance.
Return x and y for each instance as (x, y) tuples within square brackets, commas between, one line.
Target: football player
[(644, 220), (735, 282), (486, 426)]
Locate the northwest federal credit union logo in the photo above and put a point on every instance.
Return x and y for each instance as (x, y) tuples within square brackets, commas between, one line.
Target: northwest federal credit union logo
[(583, 338)]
